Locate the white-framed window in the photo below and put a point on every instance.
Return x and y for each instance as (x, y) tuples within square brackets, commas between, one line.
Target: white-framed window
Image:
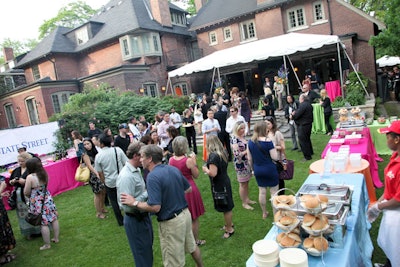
[(212, 38), (35, 72), (145, 44), (32, 111), (82, 35), (183, 87), (12, 123), (248, 30), (59, 100), (227, 34), (178, 18), (296, 17), (318, 11), (150, 89)]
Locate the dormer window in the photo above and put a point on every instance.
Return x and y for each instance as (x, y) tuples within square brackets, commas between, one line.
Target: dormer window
[(178, 18), (82, 36), (135, 46)]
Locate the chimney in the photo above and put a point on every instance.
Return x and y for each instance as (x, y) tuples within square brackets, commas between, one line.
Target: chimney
[(160, 12), (8, 54), (199, 4)]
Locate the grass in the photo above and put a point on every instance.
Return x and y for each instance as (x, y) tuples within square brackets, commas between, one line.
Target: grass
[(88, 241)]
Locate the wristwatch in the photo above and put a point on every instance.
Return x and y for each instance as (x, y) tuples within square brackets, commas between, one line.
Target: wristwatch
[(135, 203)]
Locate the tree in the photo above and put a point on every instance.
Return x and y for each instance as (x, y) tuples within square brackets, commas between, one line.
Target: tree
[(73, 15), (387, 42), (378, 7), (19, 47)]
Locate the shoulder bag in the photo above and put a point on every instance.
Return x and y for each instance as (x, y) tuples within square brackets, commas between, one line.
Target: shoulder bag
[(82, 173), (12, 199), (36, 219)]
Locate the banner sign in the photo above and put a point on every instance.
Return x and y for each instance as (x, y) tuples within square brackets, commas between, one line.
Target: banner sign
[(38, 139)]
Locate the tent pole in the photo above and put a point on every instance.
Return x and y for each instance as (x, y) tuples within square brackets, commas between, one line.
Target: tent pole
[(170, 83), (358, 76), (295, 74), (212, 81), (219, 78), (340, 68), (287, 85)]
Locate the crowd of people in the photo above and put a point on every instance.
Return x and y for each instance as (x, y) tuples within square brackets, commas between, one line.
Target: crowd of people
[(150, 169)]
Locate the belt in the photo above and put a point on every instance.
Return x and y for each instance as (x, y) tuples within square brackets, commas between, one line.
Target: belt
[(137, 214), (174, 215)]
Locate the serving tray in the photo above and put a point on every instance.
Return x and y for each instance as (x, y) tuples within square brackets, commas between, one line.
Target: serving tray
[(335, 193)]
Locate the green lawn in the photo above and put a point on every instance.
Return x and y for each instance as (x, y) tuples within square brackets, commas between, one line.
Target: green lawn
[(88, 241)]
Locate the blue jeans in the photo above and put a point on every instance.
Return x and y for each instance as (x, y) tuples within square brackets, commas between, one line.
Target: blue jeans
[(140, 238)]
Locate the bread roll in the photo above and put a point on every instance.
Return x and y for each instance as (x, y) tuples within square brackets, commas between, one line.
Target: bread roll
[(308, 219), (283, 199), (286, 241), (286, 220), (318, 224), (323, 199), (311, 203), (308, 243), (321, 244)]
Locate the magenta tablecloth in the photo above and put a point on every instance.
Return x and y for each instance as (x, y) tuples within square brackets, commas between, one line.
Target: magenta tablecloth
[(333, 89), (367, 150), (61, 177)]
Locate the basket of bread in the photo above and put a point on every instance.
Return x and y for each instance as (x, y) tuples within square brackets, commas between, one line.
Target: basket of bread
[(314, 204), (343, 115), (315, 245), (283, 201), (286, 220), (288, 239), (315, 224)]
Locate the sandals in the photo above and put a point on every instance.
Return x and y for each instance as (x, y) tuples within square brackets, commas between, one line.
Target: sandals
[(247, 207), (200, 242), (228, 234), (45, 247), (7, 258), (55, 240), (101, 216)]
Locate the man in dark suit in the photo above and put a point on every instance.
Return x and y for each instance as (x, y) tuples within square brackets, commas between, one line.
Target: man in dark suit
[(311, 94), (303, 117), (223, 136)]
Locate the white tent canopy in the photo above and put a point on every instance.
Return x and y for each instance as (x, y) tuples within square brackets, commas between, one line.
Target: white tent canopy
[(388, 61), (282, 45)]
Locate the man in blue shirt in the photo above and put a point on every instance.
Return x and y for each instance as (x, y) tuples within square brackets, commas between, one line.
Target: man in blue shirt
[(166, 187)]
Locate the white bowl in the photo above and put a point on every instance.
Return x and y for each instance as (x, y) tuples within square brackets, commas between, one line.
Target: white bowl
[(265, 248), (264, 263)]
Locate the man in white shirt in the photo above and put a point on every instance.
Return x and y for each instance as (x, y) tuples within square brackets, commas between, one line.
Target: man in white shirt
[(176, 119), (162, 130), (210, 126), (235, 117), (132, 127)]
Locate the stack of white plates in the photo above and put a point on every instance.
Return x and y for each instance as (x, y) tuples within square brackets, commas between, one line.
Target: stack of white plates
[(266, 253), (293, 257)]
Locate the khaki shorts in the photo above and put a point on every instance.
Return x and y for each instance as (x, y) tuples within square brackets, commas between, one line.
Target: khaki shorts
[(176, 239)]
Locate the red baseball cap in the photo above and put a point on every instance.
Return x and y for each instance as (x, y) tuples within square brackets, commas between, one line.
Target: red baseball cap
[(394, 127)]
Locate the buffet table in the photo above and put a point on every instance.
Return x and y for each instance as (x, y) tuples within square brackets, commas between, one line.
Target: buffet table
[(61, 177), (333, 89), (357, 246), (367, 150), (318, 167), (379, 139), (318, 125)]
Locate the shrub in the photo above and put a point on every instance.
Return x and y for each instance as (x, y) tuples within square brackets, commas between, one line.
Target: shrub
[(354, 91)]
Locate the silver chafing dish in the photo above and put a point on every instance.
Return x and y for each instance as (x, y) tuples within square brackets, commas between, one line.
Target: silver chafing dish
[(335, 193)]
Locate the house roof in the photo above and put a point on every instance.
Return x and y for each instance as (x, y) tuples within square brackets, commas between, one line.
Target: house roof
[(217, 11), (117, 18)]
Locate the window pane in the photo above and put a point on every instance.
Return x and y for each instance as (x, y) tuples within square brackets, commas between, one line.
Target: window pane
[(135, 45), (245, 32), (10, 116), (125, 47), (155, 43), (184, 89), (35, 72), (292, 19), (56, 104), (146, 43), (300, 18), (32, 112), (318, 12)]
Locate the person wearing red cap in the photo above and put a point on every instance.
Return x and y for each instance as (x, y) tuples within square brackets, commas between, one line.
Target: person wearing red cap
[(389, 202)]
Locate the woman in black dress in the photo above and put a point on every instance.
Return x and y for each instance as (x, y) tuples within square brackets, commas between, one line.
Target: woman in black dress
[(188, 124), (216, 169), (7, 239)]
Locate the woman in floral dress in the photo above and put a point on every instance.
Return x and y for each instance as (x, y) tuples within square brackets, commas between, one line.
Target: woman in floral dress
[(241, 163), (36, 190), (7, 239)]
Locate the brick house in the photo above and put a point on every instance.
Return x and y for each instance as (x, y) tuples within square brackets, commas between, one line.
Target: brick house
[(219, 25), (128, 44)]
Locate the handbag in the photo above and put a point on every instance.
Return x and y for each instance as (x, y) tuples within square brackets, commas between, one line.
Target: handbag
[(220, 198), (287, 173), (36, 219), (12, 200), (82, 174)]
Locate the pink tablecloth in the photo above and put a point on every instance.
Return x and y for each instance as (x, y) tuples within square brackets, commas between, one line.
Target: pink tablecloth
[(333, 89), (368, 152), (61, 177)]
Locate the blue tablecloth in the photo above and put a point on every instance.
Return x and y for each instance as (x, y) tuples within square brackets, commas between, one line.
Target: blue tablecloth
[(357, 249)]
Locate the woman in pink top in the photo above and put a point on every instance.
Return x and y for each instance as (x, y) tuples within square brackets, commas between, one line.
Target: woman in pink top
[(188, 167)]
